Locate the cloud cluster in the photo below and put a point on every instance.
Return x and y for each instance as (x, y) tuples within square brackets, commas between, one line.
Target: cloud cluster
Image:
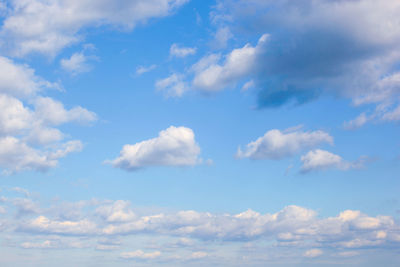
[(342, 48), (299, 226), (28, 134), (46, 27), (175, 146)]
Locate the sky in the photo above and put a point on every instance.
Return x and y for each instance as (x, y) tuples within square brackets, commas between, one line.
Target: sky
[(199, 133)]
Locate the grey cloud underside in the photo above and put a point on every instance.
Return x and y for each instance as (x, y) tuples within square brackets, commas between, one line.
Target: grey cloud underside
[(344, 48)]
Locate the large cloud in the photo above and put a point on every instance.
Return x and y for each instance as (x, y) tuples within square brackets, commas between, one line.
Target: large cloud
[(28, 134), (48, 26), (346, 48), (277, 145), (175, 146)]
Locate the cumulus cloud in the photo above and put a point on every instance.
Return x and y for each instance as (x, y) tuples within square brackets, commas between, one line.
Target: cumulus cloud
[(177, 51), (276, 145), (321, 160), (348, 230), (342, 48), (48, 26), (175, 146), (212, 76), (221, 37), (28, 134), (20, 80), (76, 64)]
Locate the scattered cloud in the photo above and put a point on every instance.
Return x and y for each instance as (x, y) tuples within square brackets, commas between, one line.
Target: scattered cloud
[(318, 159), (314, 48), (77, 63), (139, 254), (143, 69), (175, 146), (313, 253), (177, 51), (275, 145), (172, 86), (35, 26), (212, 76)]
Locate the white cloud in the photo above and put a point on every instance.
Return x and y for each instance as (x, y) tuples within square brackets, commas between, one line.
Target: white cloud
[(313, 253), (176, 51), (76, 64), (48, 26), (175, 146), (20, 80), (210, 76), (118, 211), (143, 69), (139, 254), (28, 135), (44, 225), (172, 86), (53, 112), (277, 145), (321, 160)]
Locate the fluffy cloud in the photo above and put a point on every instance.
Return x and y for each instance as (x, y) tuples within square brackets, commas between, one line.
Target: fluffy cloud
[(341, 48), (28, 137), (20, 80), (48, 26), (175, 146), (177, 51), (77, 63), (211, 76), (321, 160), (276, 145), (350, 229)]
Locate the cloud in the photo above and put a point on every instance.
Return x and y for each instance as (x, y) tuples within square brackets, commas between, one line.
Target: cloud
[(76, 64), (118, 211), (313, 253), (318, 159), (172, 86), (221, 37), (275, 145), (341, 48), (357, 122), (139, 254), (19, 80), (142, 69), (28, 134), (176, 51), (175, 146), (43, 225), (212, 76), (36, 26)]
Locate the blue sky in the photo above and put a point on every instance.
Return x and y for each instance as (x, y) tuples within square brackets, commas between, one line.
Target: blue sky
[(199, 133)]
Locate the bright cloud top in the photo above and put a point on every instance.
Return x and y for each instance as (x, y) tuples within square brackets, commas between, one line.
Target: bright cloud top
[(48, 26), (28, 134), (275, 145), (321, 160), (175, 146)]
